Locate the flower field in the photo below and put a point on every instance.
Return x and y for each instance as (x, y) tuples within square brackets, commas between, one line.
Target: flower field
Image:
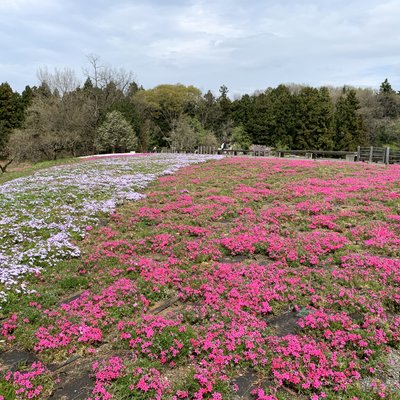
[(44, 213), (237, 278)]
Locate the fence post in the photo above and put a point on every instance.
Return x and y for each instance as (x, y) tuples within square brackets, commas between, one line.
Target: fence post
[(358, 153), (371, 153), (387, 155)]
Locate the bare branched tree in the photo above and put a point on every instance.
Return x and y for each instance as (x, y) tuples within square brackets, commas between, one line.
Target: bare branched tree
[(61, 81), (103, 75)]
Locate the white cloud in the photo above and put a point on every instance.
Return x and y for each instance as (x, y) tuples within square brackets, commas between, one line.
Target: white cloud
[(16, 5), (198, 19), (245, 45)]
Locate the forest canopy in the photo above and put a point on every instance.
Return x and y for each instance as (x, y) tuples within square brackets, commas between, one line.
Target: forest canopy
[(109, 111)]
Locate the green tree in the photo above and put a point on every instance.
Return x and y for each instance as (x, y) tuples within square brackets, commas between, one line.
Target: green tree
[(386, 87), (127, 108), (349, 130), (271, 118), (55, 126), (389, 101), (240, 139), (314, 119), (224, 103), (370, 113), (259, 118), (115, 134), (88, 84), (27, 97), (389, 133), (104, 86), (167, 103), (43, 90), (188, 133), (10, 113), (208, 111), (148, 132), (241, 109)]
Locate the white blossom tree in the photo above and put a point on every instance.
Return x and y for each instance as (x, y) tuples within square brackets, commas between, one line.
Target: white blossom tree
[(115, 134)]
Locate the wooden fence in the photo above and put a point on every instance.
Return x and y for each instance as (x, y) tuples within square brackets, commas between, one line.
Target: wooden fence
[(378, 155), (366, 154), (348, 155), (216, 150)]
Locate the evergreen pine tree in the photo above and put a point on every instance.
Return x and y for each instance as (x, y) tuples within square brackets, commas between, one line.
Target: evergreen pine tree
[(386, 87), (224, 121), (389, 101), (88, 85), (280, 118), (10, 112), (314, 119), (348, 125)]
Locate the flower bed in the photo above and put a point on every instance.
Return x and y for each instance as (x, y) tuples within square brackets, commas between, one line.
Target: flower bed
[(45, 215), (285, 270)]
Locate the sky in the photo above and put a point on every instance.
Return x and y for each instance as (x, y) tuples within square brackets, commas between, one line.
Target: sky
[(247, 45)]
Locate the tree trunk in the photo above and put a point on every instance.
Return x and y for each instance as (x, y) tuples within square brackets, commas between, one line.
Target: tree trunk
[(3, 168)]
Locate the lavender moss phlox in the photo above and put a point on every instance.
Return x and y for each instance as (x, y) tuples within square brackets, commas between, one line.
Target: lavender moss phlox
[(44, 214)]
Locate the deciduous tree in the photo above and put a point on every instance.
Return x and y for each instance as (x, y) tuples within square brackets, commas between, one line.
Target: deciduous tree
[(167, 103), (115, 134), (188, 133)]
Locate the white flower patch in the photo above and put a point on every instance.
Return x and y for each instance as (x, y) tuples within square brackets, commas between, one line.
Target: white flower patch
[(44, 215)]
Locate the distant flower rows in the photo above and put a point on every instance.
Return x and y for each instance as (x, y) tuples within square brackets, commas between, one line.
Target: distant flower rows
[(43, 215)]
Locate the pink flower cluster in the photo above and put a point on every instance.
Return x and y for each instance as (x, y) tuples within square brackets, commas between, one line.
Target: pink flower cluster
[(157, 338), (85, 319), (105, 373), (28, 384)]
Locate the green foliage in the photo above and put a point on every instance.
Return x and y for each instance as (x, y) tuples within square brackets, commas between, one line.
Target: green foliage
[(148, 133), (348, 125), (7, 390), (74, 282), (88, 85), (166, 339), (272, 118), (314, 118), (224, 105), (208, 112), (240, 139), (11, 113), (115, 134), (152, 292), (166, 103), (125, 387), (54, 126), (58, 119), (389, 101), (386, 87), (188, 133)]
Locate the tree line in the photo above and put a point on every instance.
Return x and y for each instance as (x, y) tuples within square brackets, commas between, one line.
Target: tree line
[(110, 112)]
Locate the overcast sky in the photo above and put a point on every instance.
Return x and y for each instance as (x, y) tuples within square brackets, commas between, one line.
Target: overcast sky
[(245, 44)]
